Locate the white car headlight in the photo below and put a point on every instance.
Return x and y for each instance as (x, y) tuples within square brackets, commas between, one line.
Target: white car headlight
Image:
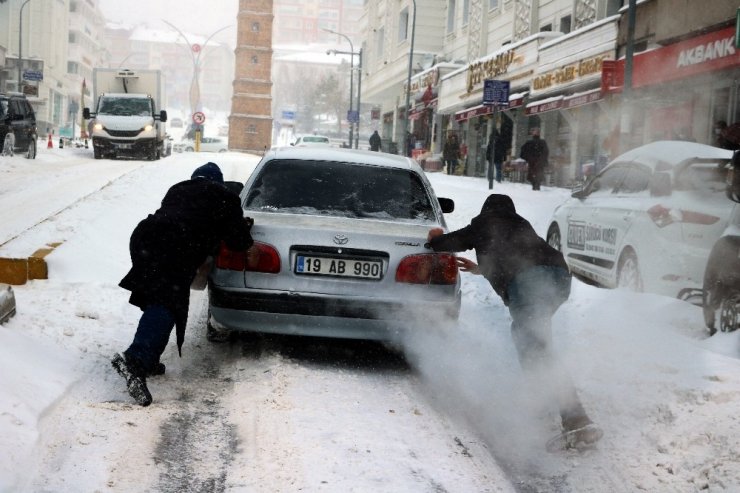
[(148, 128), (98, 126)]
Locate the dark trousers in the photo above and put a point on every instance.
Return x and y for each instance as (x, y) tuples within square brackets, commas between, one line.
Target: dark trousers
[(534, 296), (499, 172), (151, 337), (451, 165)]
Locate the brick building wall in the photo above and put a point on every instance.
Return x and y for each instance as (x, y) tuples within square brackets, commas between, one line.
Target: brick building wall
[(250, 122)]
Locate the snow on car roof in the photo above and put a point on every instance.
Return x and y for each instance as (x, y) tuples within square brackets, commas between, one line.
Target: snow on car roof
[(671, 153), (342, 155)]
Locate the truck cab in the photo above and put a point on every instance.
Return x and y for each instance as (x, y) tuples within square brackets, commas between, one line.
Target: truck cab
[(126, 121)]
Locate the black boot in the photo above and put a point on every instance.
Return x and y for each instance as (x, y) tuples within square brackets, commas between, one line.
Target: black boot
[(158, 369), (135, 379)]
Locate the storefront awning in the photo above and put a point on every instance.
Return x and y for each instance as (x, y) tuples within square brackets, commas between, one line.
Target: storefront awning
[(582, 98), (515, 100), (544, 105)]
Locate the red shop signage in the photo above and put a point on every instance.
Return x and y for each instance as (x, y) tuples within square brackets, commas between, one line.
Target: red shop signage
[(702, 54)]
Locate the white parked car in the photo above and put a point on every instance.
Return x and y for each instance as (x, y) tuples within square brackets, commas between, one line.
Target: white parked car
[(648, 220), (207, 144)]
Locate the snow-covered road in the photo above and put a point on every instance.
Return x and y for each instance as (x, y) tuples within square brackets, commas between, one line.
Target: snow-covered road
[(281, 414)]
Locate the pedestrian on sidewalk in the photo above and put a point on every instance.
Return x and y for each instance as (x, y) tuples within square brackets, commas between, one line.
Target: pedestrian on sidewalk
[(537, 154), (451, 153), (375, 141), (533, 280), (167, 248)]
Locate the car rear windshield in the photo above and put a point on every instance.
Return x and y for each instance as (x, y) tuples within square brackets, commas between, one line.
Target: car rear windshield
[(340, 189)]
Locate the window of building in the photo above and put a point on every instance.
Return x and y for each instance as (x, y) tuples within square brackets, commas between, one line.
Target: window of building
[(546, 28), (565, 24), (255, 27), (465, 12), (403, 24), (451, 7), (255, 60), (72, 38), (612, 7), (251, 128), (379, 43), (73, 67), (492, 4)]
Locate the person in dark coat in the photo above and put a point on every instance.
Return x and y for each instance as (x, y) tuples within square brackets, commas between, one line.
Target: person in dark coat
[(375, 141), (533, 280), (451, 153), (496, 154), (536, 153), (167, 248)]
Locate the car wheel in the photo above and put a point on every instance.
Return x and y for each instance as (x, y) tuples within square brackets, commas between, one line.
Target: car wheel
[(221, 150), (553, 237), (628, 272), (96, 153), (729, 315), (31, 152), (189, 149)]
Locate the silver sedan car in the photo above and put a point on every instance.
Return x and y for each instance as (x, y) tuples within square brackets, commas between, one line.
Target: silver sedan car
[(340, 249)]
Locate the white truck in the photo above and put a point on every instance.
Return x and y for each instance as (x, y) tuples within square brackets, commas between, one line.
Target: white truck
[(128, 119)]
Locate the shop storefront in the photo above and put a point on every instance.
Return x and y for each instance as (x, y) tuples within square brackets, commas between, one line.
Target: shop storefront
[(681, 90), (567, 104), (461, 98)]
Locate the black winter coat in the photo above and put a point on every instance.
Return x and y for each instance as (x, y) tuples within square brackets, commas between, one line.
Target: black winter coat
[(537, 155), (168, 246), (504, 242), (496, 148)]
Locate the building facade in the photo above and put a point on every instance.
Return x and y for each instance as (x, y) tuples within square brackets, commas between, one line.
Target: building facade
[(564, 62), (250, 122)]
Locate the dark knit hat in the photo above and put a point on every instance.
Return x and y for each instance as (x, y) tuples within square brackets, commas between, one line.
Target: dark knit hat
[(209, 171)]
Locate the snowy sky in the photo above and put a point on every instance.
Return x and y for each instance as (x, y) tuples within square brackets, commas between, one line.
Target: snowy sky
[(666, 394), (190, 16)]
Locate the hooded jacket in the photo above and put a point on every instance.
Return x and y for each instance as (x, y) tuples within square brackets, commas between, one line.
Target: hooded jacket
[(504, 242), (168, 246)]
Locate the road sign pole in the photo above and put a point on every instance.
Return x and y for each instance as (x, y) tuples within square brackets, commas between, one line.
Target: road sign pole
[(493, 149)]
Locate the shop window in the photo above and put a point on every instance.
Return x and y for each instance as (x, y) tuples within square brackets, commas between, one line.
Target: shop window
[(565, 24)]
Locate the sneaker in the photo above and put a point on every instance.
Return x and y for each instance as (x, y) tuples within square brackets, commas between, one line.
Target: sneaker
[(135, 379)]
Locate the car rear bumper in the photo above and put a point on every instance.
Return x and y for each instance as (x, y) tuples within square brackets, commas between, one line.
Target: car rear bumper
[(323, 316)]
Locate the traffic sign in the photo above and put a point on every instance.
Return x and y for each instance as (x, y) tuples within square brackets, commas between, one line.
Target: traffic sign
[(353, 116), (199, 117), (34, 75), (496, 92)]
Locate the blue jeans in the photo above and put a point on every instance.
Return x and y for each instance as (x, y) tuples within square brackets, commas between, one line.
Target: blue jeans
[(499, 173), (151, 337), (534, 296)]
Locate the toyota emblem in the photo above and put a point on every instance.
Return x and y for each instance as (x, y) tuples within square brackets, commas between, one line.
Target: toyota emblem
[(340, 239)]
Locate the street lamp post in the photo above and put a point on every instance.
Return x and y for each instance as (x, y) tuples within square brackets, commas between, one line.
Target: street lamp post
[(408, 82), (20, 42), (195, 83), (351, 79)]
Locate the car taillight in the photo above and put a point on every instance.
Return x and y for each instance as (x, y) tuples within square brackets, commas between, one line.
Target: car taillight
[(428, 268), (662, 216), (260, 257)]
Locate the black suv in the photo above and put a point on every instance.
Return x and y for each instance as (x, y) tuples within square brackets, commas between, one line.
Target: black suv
[(17, 116)]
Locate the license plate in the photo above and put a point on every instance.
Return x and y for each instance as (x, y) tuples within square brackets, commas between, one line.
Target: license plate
[(341, 267), (124, 146)]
